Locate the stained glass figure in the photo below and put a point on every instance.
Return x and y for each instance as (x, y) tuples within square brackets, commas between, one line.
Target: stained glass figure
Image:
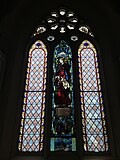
[(93, 116), (62, 130), (32, 122)]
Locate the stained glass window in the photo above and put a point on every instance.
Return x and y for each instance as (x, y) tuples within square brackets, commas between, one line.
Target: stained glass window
[(32, 122), (93, 117), (61, 135), (62, 129)]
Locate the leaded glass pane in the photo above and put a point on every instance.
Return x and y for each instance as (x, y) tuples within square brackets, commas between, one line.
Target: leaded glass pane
[(32, 122), (93, 122), (62, 129)]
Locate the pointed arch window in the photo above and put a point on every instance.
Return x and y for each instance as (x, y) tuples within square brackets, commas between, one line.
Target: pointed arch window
[(62, 131), (32, 121), (93, 116), (65, 85)]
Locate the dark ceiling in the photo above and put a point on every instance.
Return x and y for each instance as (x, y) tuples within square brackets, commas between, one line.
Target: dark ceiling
[(114, 4), (7, 6)]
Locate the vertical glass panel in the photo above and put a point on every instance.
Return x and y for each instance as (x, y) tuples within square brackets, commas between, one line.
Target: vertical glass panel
[(63, 128), (93, 120), (32, 122)]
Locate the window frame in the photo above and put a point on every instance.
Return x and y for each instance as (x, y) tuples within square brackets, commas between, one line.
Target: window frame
[(50, 49)]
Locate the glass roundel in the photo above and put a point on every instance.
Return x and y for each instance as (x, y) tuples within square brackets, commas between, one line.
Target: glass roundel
[(93, 116), (32, 121)]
